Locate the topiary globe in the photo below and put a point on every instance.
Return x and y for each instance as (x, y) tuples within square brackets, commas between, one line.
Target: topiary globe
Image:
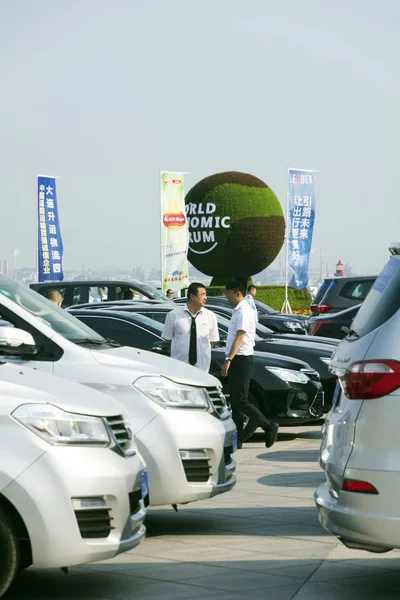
[(236, 225)]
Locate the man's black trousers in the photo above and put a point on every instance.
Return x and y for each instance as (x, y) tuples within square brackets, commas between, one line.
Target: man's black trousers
[(239, 376)]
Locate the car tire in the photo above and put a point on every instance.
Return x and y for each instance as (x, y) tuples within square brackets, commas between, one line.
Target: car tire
[(9, 552), (250, 423)]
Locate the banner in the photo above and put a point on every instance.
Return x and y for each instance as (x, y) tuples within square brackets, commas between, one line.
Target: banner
[(174, 232), (50, 247), (301, 210)]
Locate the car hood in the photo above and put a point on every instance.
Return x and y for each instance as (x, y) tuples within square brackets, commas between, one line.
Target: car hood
[(268, 359), (283, 317), (319, 348), (143, 363), (28, 386)]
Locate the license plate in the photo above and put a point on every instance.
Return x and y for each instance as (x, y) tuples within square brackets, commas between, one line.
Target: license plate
[(336, 394), (234, 442), (144, 484)]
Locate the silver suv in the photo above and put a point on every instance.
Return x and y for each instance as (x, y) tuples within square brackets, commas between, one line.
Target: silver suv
[(360, 449)]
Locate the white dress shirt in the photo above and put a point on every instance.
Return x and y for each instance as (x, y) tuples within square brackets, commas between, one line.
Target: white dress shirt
[(242, 320), (177, 330)]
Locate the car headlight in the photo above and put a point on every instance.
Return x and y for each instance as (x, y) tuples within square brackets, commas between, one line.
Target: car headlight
[(169, 394), (62, 428), (289, 375), (325, 360), (293, 325)]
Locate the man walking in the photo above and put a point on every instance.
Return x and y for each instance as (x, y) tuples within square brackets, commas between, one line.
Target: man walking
[(239, 361), (192, 329), (251, 294)]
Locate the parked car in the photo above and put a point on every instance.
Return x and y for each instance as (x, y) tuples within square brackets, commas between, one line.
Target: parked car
[(72, 484), (79, 292), (287, 390), (317, 355), (332, 325), (319, 295), (360, 448), (279, 322), (343, 292), (177, 413)]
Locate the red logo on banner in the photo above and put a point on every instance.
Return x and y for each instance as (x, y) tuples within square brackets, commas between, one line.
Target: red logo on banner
[(174, 220), (176, 181)]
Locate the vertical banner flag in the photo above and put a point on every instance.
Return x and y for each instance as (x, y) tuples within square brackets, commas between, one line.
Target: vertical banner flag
[(301, 211), (174, 232), (50, 247)]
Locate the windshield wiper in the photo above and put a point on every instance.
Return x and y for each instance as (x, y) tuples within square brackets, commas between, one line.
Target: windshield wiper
[(353, 333), (94, 342)]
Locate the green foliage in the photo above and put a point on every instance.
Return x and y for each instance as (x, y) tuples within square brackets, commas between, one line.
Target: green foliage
[(274, 296), (247, 229)]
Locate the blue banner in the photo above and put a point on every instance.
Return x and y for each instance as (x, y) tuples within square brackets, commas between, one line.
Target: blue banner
[(300, 226), (50, 246)]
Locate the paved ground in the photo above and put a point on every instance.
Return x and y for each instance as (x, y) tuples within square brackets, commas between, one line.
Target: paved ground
[(262, 540)]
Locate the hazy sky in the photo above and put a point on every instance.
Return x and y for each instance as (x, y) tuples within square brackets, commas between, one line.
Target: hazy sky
[(107, 93)]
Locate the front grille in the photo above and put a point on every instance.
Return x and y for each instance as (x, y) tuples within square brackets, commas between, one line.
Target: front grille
[(196, 469), (134, 502), (94, 522), (120, 432), (218, 402), (228, 451)]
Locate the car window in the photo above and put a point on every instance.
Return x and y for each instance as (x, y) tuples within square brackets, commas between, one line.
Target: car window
[(382, 301), (98, 294), (123, 332), (321, 291), (356, 290), (156, 316)]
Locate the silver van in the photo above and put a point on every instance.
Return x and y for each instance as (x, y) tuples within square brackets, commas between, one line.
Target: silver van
[(360, 449)]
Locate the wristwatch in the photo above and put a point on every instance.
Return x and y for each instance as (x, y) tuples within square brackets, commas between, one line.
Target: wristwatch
[(227, 359)]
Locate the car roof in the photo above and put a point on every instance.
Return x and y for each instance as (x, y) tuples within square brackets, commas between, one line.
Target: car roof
[(128, 316), (94, 282)]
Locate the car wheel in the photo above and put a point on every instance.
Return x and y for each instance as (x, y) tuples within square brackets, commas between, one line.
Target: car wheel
[(9, 552), (250, 424)]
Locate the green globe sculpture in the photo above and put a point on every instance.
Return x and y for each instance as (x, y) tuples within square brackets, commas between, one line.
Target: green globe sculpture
[(236, 225)]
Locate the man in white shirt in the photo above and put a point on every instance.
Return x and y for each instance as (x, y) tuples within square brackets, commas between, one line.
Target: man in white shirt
[(192, 329), (239, 361), (251, 294)]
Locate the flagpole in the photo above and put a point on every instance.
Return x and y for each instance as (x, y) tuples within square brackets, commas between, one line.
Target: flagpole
[(286, 308)]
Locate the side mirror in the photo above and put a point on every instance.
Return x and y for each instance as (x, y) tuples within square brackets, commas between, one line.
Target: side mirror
[(345, 329), (161, 348), (16, 341)]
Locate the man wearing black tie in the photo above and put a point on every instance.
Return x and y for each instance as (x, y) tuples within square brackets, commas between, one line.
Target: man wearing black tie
[(192, 329)]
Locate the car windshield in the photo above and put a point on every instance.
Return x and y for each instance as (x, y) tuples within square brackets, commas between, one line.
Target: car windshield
[(153, 293), (264, 309), (57, 318)]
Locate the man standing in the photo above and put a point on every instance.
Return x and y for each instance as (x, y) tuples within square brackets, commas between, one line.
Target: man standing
[(239, 361), (192, 329), (251, 294)]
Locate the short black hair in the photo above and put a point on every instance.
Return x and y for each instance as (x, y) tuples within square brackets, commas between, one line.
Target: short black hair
[(237, 284), (54, 295), (194, 288), (250, 287)]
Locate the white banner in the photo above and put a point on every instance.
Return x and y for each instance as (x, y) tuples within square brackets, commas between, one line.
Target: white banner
[(174, 232)]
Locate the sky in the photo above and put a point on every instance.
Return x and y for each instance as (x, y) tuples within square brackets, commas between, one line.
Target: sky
[(105, 94)]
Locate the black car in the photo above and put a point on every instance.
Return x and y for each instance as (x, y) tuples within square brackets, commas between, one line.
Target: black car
[(287, 390), (335, 325), (80, 292), (342, 292), (314, 353), (279, 322)]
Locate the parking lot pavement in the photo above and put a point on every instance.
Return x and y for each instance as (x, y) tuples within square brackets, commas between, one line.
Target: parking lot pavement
[(261, 539)]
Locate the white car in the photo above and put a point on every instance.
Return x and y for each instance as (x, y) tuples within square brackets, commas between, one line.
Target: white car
[(71, 481), (179, 417), (360, 449)]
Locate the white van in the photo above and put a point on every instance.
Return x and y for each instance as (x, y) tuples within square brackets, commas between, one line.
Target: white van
[(71, 481), (178, 413)]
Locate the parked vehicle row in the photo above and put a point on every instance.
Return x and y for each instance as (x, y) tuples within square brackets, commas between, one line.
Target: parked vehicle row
[(115, 410), (338, 293)]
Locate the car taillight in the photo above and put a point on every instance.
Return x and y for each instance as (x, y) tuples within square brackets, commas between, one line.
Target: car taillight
[(324, 308), (317, 324), (314, 307), (360, 487), (369, 379)]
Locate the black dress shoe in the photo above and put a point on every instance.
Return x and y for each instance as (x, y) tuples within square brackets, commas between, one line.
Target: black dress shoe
[(271, 434)]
